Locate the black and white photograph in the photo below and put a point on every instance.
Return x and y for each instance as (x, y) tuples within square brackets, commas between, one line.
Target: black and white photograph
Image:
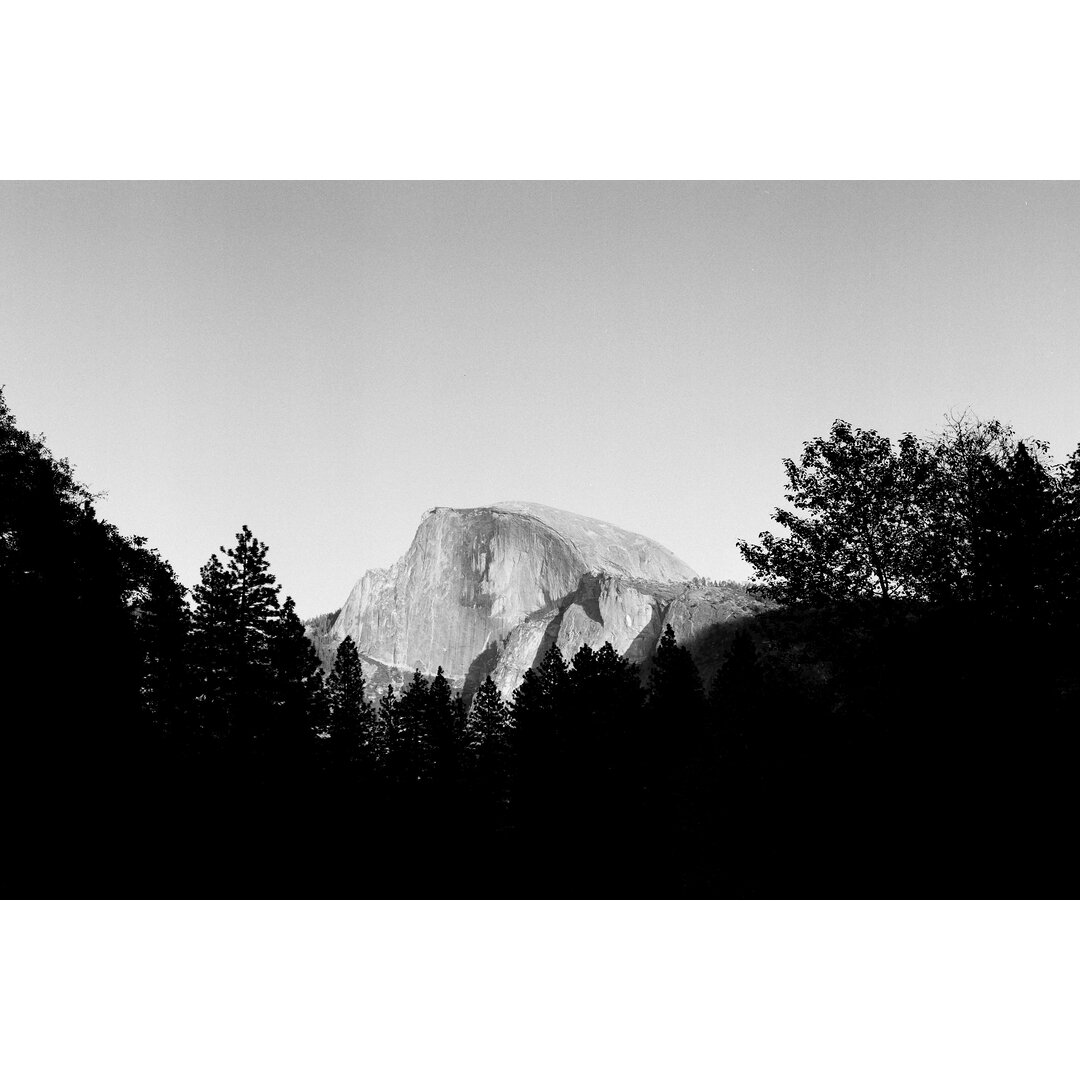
[(555, 538), (539, 542)]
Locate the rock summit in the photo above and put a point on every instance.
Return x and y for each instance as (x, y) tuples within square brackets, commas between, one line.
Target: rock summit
[(486, 591)]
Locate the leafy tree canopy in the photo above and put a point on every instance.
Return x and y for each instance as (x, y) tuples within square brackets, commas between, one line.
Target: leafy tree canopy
[(949, 519)]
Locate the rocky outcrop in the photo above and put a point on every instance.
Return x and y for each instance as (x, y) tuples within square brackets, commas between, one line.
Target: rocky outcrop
[(631, 615), (487, 590)]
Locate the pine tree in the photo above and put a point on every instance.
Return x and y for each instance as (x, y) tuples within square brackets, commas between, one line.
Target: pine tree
[(486, 749), (601, 720), (1027, 566), (553, 674), (618, 714), (298, 705), (676, 696), (412, 730), (439, 744), (680, 763), (538, 706), (460, 716), (255, 671), (538, 741), (488, 722), (351, 717), (254, 592), (386, 738), (211, 634)]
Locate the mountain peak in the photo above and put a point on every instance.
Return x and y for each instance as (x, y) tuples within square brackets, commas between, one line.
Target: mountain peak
[(603, 547), (474, 575)]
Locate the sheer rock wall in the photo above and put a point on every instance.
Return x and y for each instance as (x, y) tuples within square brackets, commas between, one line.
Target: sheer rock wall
[(487, 590)]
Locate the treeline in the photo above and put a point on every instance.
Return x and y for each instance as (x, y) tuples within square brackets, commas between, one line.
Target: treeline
[(585, 779), (158, 742), (927, 644), (903, 721)]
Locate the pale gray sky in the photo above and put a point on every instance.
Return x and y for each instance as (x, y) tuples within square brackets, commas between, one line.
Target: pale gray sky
[(324, 362)]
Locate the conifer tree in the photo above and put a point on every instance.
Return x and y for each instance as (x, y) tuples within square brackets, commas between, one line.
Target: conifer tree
[(679, 767), (386, 738), (412, 715), (488, 722), (596, 706), (351, 717), (1028, 567), (298, 706), (211, 644), (439, 743), (244, 597), (528, 700), (618, 710), (257, 673), (538, 707), (486, 748), (538, 744), (460, 716), (675, 689), (553, 675)]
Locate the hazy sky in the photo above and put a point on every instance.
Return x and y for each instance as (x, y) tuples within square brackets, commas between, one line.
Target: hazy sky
[(324, 362)]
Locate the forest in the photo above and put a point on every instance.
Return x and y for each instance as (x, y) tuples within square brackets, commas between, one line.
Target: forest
[(901, 721)]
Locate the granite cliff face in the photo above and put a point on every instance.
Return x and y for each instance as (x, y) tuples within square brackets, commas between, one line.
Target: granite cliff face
[(630, 614), (486, 590)]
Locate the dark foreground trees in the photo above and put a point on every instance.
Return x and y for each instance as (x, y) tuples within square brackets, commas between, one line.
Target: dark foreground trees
[(934, 584), (857, 524), (973, 516), (351, 728), (91, 648), (903, 721)]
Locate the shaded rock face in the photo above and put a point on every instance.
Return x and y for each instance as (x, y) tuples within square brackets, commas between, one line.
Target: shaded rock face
[(630, 614), (487, 590)]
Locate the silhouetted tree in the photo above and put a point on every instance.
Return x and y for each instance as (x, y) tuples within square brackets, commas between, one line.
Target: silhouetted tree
[(298, 703), (211, 645), (857, 524), (1068, 544), (539, 743), (676, 696), (607, 765), (259, 678), (439, 743), (162, 623), (954, 519), (486, 745), (680, 761), (743, 729), (84, 754), (968, 458), (737, 696), (351, 716), (236, 605), (385, 743), (1023, 568), (412, 736)]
